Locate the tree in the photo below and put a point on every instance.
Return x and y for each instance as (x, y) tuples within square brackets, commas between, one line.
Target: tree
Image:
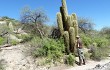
[(105, 30), (35, 18), (85, 24)]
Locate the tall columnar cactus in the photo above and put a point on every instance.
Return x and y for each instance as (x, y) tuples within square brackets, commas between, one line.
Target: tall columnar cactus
[(69, 22), (75, 27), (66, 40), (72, 39), (64, 7), (60, 23), (68, 27), (64, 13)]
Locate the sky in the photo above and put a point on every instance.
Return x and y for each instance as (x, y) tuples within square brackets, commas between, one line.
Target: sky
[(98, 11)]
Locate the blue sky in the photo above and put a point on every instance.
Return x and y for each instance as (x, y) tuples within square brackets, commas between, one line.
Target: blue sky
[(96, 10)]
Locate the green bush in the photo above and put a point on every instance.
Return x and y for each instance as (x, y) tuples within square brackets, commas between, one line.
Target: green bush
[(14, 42), (51, 49), (87, 41), (98, 55), (36, 42), (1, 41), (70, 59), (101, 42), (25, 38)]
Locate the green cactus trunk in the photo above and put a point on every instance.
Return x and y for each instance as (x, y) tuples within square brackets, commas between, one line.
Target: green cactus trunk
[(66, 40), (69, 23), (64, 13), (75, 27), (74, 17), (72, 39), (60, 23), (64, 7)]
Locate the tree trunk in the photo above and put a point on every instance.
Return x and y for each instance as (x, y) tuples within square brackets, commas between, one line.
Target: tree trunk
[(40, 32)]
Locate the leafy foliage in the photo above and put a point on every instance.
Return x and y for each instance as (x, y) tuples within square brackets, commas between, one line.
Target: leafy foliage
[(52, 49), (97, 53), (25, 38), (89, 40), (14, 42), (70, 59), (1, 40), (105, 30), (36, 42), (101, 42)]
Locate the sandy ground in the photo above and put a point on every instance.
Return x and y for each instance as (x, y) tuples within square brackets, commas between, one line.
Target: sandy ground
[(15, 58), (89, 65)]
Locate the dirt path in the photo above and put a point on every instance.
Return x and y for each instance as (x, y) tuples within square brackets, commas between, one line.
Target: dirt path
[(89, 65), (14, 58)]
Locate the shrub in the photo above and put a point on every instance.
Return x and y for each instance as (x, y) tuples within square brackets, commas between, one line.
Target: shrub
[(70, 60), (97, 54), (25, 38), (1, 40), (101, 42), (51, 49), (89, 40), (36, 42), (86, 40), (14, 42)]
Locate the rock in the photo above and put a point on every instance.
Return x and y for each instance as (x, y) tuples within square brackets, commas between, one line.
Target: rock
[(102, 67), (2, 22), (20, 32), (109, 55), (12, 37), (11, 26), (98, 66)]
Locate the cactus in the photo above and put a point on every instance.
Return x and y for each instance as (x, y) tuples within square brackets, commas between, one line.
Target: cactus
[(66, 40), (75, 27), (68, 27), (64, 7), (60, 23), (69, 23), (72, 38), (74, 17), (64, 13)]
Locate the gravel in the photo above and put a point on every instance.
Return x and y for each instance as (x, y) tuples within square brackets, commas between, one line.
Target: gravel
[(101, 67)]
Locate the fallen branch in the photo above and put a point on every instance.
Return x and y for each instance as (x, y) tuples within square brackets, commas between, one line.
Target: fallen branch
[(6, 45)]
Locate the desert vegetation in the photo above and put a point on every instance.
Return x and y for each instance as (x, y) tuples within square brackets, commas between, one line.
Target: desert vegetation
[(55, 45)]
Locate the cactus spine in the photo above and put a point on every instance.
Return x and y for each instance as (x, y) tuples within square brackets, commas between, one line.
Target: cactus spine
[(68, 27)]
